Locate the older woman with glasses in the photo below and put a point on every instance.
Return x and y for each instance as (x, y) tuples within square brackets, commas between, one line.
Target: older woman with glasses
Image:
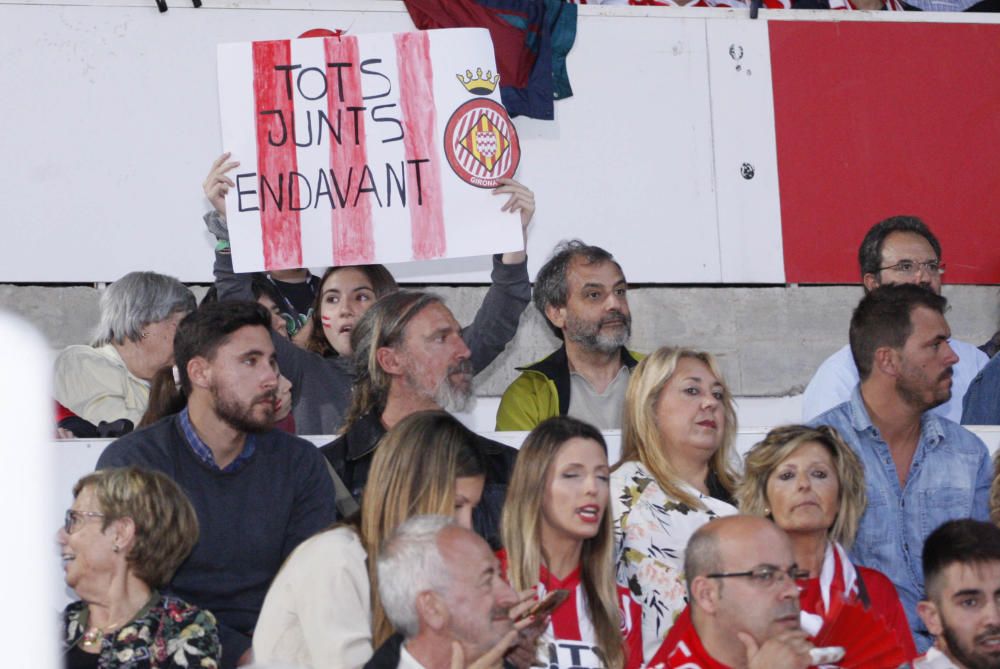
[(812, 485), (126, 533), (109, 380)]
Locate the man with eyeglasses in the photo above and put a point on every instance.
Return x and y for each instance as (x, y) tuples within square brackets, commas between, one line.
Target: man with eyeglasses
[(743, 609), (898, 250), (920, 469)]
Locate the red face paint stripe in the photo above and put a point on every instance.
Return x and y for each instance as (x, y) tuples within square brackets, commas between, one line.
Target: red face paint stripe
[(280, 226), (353, 240), (416, 82)]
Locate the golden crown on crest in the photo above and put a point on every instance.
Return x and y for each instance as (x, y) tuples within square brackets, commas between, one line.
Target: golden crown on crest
[(478, 84)]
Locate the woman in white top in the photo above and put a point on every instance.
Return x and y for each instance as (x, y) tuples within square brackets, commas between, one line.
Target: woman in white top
[(675, 474), (322, 610), (134, 340)]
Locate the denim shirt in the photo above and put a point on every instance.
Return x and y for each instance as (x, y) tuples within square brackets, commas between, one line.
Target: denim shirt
[(949, 478)]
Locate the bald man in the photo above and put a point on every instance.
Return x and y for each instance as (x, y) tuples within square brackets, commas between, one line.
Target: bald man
[(744, 604)]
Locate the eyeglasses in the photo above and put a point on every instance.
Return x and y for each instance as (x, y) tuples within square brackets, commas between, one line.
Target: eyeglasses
[(766, 576), (73, 519), (911, 267)]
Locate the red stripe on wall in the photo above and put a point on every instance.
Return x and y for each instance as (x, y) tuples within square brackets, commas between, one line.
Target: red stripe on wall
[(353, 239), (878, 119), (280, 228), (416, 83)]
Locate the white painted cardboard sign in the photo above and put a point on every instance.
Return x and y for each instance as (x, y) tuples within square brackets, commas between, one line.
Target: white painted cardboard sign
[(365, 149)]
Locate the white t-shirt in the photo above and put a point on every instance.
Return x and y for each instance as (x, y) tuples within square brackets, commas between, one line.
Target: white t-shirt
[(836, 378)]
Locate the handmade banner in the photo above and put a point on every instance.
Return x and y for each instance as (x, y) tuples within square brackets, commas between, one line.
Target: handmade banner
[(366, 149)]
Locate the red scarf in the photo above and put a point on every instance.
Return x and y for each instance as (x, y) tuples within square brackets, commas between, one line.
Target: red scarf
[(682, 648), (837, 579)]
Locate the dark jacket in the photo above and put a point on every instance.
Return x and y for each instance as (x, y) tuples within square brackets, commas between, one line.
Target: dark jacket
[(351, 456)]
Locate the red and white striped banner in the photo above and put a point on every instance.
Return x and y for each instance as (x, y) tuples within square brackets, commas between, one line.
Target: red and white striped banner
[(365, 149)]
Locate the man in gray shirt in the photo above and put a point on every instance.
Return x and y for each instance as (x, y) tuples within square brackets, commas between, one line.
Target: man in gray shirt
[(582, 293)]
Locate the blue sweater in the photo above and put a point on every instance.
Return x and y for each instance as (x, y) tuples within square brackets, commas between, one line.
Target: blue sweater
[(250, 519)]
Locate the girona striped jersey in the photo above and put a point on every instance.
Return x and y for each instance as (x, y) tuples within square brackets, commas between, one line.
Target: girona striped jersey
[(569, 642)]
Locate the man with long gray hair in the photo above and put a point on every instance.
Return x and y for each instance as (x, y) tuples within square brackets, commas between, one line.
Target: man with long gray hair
[(409, 356)]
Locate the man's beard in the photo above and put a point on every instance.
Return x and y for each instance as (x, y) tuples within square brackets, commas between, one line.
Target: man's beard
[(912, 391), (969, 657), (590, 335), (450, 394), (241, 417)]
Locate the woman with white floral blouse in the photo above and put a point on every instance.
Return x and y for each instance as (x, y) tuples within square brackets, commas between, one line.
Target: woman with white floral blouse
[(675, 474)]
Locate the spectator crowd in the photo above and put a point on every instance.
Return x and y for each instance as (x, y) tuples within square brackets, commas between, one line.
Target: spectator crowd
[(212, 536)]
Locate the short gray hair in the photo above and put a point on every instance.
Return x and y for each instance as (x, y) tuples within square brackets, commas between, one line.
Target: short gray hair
[(550, 282), (136, 300), (409, 563)]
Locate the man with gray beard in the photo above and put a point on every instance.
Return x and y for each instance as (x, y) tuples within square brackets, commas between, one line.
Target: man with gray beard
[(582, 294), (409, 356)]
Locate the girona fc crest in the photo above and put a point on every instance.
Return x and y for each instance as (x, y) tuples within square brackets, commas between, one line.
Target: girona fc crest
[(481, 143)]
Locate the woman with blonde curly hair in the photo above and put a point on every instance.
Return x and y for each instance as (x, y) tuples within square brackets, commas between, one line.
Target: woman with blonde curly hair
[(556, 531), (675, 474), (812, 485)]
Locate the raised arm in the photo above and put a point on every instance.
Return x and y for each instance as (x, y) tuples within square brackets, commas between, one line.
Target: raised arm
[(228, 284), (510, 291)]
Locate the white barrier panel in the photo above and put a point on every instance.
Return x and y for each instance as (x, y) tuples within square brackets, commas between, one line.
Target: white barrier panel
[(28, 512)]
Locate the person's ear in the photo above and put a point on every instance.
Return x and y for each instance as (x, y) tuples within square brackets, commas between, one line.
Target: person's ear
[(886, 360), (556, 315), (705, 592), (123, 534), (928, 612), (431, 610), (389, 360), (870, 281), (199, 372)]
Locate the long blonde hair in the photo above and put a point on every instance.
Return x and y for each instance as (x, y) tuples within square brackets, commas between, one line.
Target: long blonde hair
[(413, 473), (521, 531), (641, 439)]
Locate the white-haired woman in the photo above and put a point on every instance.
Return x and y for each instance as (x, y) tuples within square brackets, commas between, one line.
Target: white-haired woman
[(109, 380)]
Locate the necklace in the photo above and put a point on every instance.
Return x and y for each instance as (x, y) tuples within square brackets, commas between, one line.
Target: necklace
[(95, 635)]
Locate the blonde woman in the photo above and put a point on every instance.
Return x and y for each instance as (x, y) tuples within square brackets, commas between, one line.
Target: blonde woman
[(675, 474), (812, 485), (322, 610), (557, 532)]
